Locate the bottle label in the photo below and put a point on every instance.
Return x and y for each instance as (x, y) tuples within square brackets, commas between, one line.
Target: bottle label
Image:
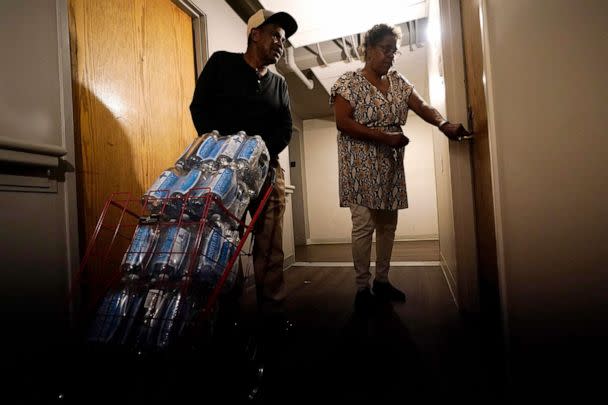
[(232, 146), (173, 247), (162, 186), (215, 151), (248, 149), (140, 246), (206, 147), (211, 250), (188, 182), (151, 298), (227, 250), (222, 183)]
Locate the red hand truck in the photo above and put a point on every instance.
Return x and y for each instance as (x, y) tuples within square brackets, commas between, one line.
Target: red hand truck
[(145, 311)]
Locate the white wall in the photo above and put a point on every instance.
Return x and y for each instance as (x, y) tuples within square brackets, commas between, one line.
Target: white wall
[(330, 223), (545, 64), (226, 31)]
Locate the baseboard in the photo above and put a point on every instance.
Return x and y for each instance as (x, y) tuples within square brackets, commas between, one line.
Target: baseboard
[(289, 261), (449, 278), (398, 238)]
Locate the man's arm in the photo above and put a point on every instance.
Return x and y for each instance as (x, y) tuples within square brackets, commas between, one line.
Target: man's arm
[(282, 131), (202, 101)]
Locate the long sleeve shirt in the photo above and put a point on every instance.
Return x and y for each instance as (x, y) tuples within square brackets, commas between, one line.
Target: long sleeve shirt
[(229, 97)]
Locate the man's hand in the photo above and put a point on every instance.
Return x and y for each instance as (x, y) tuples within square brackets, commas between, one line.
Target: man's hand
[(455, 132)]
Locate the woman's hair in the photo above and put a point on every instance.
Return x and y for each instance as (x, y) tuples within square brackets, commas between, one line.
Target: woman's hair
[(376, 34)]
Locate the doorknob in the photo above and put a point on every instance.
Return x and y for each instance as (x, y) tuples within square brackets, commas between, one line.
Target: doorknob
[(470, 119)]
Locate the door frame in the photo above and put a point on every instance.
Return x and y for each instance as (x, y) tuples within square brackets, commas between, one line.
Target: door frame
[(462, 179), (199, 32), (461, 174)]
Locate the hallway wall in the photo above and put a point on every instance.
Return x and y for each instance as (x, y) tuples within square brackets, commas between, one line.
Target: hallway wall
[(545, 65)]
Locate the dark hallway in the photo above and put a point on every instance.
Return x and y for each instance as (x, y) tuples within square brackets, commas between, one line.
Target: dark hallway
[(400, 352)]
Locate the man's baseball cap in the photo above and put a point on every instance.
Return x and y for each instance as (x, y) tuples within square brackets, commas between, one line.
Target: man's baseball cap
[(282, 19)]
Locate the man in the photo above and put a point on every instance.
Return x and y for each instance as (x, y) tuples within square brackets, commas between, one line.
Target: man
[(238, 92)]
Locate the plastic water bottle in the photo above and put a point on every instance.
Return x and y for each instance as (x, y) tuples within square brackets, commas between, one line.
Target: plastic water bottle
[(158, 194), (207, 144), (138, 254), (231, 148), (116, 315), (170, 257), (182, 189), (238, 206), (184, 161), (222, 185), (252, 164), (209, 162), (111, 312), (134, 313), (209, 254), (172, 315), (229, 245), (154, 304)]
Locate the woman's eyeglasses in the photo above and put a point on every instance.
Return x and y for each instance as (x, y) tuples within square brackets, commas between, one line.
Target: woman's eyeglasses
[(389, 51)]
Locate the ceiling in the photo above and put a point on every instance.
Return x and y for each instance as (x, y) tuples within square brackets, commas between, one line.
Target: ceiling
[(323, 49)]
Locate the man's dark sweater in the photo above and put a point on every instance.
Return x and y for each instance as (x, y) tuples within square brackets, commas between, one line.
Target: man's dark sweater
[(229, 98)]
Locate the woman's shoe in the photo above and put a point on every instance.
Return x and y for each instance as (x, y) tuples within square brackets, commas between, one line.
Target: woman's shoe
[(386, 291)]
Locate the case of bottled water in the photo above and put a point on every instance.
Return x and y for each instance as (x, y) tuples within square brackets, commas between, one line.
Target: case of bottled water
[(176, 260)]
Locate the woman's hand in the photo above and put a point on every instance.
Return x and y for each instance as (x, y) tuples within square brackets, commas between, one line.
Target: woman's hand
[(395, 139), (454, 132)]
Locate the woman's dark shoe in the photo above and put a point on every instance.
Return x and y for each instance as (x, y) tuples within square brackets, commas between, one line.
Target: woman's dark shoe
[(386, 291)]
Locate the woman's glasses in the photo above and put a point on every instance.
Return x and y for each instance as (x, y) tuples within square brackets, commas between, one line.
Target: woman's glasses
[(389, 51)]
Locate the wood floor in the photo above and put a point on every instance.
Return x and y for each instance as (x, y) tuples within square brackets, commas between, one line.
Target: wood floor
[(417, 350), (413, 352)]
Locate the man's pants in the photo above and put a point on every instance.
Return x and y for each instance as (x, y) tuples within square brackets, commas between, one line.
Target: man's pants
[(365, 221), (268, 240)]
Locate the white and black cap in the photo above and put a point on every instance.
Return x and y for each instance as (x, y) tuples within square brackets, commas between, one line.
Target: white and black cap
[(281, 18)]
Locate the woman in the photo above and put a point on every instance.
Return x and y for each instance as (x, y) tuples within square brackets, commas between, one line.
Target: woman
[(370, 106)]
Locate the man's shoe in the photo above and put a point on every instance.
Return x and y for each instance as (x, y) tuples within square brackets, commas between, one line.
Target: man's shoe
[(364, 301), (386, 291)]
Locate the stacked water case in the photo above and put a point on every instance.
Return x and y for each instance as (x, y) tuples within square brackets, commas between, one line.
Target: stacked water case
[(183, 248)]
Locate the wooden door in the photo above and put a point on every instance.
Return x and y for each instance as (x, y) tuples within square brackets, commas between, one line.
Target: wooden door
[(489, 291), (133, 74)]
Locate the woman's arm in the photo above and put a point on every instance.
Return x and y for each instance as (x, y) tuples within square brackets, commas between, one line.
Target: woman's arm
[(428, 113), (345, 123)]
